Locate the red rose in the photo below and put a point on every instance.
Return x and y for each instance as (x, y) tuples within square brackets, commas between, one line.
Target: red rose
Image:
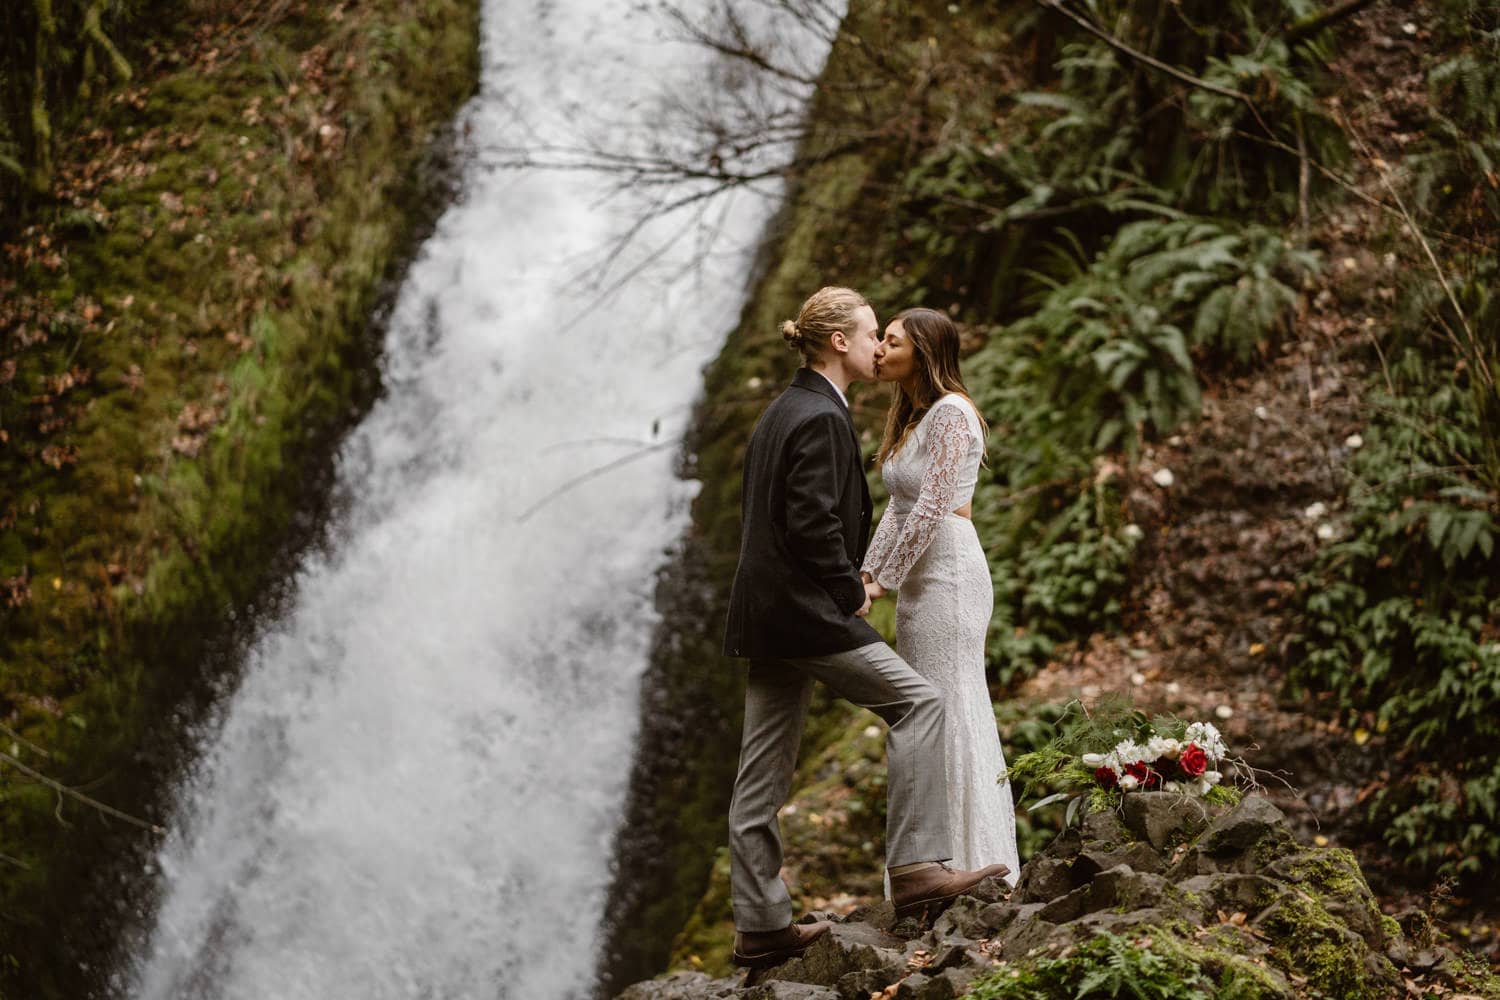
[(1193, 760), (1141, 772), (1106, 777)]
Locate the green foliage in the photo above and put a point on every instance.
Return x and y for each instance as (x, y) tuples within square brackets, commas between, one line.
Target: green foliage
[(1061, 582), (1108, 358), (1093, 344), (1233, 288), (1402, 618), (1102, 363), (52, 53), (1057, 574), (1229, 163), (1106, 965), (1456, 169), (1027, 728), (169, 292)]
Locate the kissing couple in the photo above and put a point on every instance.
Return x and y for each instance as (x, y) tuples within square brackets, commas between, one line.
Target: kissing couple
[(805, 583)]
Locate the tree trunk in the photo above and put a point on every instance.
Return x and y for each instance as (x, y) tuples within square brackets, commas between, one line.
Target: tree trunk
[(93, 30), (41, 120)]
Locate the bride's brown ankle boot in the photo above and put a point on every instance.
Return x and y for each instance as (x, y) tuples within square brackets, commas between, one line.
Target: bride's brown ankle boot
[(928, 890)]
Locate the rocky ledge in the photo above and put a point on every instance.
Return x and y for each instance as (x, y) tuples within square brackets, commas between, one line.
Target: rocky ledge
[(1226, 900)]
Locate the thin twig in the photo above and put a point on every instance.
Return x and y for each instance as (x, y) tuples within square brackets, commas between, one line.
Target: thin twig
[(592, 474), (1416, 232), (1365, 489), (62, 789), (1304, 177), (1142, 57), (23, 740)]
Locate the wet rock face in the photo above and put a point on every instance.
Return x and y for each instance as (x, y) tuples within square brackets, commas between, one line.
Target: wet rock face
[(1229, 892)]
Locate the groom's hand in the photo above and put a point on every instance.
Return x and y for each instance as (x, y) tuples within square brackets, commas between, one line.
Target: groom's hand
[(874, 591), (864, 609)]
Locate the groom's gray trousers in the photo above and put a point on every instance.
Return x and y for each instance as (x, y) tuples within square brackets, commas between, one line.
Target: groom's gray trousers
[(776, 700)]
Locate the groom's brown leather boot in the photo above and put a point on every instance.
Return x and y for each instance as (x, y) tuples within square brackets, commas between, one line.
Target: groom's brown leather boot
[(928, 890), (762, 949)]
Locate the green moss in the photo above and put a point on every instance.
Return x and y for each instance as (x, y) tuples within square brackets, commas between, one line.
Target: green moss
[(248, 301), (1330, 870), (707, 939), (1152, 962), (1225, 954), (1309, 942), (1334, 871)]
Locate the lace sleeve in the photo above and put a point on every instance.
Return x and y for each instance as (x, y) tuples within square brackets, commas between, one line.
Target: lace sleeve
[(880, 545), (948, 439)]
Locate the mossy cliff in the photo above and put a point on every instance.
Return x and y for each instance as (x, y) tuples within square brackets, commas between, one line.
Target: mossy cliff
[(186, 327)]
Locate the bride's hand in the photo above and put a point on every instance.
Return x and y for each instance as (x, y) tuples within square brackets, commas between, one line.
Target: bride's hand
[(874, 591)]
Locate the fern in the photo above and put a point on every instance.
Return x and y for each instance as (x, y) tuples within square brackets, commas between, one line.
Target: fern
[(1106, 965), (1400, 619)]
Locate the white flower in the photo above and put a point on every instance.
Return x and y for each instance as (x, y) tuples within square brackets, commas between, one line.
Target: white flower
[(1354, 442), (1163, 477), (1156, 747), (1173, 748), (1129, 783), (1315, 511), (1133, 532), (1201, 786), (1325, 531), (1093, 760), (1206, 735), (1212, 777)]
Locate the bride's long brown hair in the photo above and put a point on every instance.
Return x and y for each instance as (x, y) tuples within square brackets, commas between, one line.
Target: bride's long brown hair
[(934, 341)]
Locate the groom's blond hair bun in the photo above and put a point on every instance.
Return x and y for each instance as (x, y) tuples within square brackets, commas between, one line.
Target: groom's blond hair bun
[(828, 309)]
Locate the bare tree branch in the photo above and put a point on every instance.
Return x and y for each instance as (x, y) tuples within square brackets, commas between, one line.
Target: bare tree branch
[(594, 473), (1141, 57), (62, 789)]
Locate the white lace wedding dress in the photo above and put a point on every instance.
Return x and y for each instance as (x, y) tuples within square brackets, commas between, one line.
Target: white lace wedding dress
[(933, 559)]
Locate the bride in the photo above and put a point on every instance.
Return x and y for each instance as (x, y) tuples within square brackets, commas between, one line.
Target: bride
[(926, 549)]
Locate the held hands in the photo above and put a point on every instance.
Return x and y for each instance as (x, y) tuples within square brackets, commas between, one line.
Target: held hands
[(873, 593)]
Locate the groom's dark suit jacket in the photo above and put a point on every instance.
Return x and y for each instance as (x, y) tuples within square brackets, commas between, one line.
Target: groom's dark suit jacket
[(806, 510)]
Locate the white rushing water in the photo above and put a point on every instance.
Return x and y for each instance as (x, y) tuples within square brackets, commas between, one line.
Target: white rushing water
[(413, 790)]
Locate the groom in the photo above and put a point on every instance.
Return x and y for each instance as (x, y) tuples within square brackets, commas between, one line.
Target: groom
[(796, 611)]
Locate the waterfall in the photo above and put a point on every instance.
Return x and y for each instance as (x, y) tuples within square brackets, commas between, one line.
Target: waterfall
[(412, 788)]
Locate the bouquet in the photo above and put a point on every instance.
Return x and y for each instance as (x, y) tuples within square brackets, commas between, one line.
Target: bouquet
[(1099, 757), (1189, 762)]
